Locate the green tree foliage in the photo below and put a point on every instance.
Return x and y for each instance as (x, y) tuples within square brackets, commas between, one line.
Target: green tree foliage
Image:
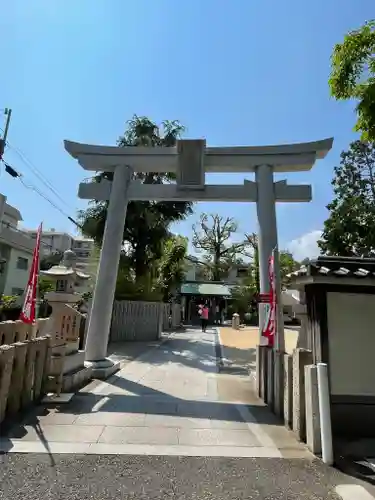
[(45, 285), (286, 261), (212, 235), (170, 270), (147, 223), (350, 227), (353, 75), (243, 295), (287, 266), (164, 278)]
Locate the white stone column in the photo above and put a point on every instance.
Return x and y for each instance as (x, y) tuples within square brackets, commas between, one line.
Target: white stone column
[(101, 309), (267, 241)]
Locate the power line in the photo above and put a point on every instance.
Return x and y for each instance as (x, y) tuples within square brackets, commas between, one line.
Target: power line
[(14, 173), (36, 171)]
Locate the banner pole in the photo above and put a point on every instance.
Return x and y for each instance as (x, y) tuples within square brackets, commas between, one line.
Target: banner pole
[(37, 296), (28, 313)]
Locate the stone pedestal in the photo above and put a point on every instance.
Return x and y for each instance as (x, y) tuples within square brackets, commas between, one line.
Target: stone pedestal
[(66, 371), (103, 369), (236, 321)]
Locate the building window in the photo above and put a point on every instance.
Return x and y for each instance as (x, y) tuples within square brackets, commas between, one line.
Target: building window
[(22, 263), (83, 254), (17, 291)]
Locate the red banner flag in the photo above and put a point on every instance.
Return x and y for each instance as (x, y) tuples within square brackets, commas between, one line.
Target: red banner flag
[(269, 328), (28, 313)]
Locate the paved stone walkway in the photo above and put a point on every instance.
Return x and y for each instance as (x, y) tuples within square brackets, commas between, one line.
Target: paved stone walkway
[(168, 425), (169, 401)]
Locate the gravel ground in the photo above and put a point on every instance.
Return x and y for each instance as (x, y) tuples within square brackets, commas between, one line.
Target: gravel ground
[(73, 477)]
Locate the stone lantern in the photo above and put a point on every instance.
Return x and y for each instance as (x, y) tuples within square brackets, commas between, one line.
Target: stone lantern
[(67, 364), (65, 276)]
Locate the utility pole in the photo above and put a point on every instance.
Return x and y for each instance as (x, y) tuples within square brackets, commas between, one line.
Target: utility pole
[(8, 114)]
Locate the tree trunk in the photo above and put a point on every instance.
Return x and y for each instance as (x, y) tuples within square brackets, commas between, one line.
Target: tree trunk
[(216, 271)]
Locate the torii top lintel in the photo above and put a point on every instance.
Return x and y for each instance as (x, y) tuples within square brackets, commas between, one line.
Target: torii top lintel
[(283, 158)]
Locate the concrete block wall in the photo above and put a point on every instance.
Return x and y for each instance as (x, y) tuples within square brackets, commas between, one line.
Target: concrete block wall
[(301, 358), (288, 390), (313, 439), (23, 369), (17, 331), (279, 383), (270, 356), (6, 366), (270, 377), (288, 384), (136, 321)]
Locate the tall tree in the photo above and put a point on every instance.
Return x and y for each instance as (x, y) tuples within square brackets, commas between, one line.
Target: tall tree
[(353, 75), (350, 227), (147, 223), (287, 262), (164, 278), (170, 269), (213, 235)]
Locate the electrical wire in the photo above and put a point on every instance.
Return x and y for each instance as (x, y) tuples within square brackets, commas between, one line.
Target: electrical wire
[(35, 170), (14, 173)]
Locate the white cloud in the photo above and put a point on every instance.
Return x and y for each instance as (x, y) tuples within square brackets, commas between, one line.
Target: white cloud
[(305, 246)]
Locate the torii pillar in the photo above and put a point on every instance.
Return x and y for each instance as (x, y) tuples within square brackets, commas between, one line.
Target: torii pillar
[(189, 160)]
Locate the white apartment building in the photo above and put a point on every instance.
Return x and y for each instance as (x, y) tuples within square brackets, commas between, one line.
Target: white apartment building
[(87, 261), (53, 241), (16, 251)]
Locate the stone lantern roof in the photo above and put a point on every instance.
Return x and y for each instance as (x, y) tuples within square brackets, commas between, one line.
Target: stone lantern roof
[(66, 268)]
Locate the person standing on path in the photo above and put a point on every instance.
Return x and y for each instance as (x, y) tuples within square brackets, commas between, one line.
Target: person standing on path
[(204, 317)]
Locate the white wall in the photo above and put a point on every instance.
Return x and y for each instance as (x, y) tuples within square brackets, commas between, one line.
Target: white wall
[(17, 278), (351, 340)]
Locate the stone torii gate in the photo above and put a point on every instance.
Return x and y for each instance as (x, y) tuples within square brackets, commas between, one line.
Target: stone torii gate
[(189, 160)]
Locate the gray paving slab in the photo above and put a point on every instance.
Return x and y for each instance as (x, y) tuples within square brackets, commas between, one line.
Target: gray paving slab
[(58, 433), (177, 421), (217, 437), (123, 419), (140, 435), (52, 418), (209, 409)]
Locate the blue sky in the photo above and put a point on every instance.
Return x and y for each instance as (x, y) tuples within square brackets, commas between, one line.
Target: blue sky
[(244, 72)]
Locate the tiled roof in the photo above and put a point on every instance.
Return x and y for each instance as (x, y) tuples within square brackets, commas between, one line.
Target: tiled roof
[(208, 288), (338, 267)]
